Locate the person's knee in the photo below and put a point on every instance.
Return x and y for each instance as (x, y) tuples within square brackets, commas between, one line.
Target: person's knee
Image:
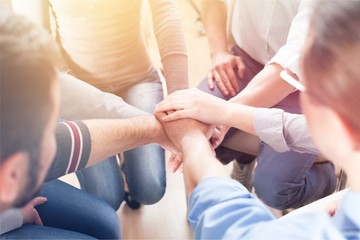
[(281, 192), (114, 201), (153, 193), (279, 195), (276, 189), (108, 221), (104, 180), (146, 178)]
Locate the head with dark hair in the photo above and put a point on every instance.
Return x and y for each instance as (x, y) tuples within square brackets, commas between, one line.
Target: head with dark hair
[(331, 73), (28, 101)]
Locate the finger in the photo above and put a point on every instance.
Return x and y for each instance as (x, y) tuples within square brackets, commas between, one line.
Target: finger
[(331, 211), (181, 168), (38, 200), (161, 108), (210, 131), (218, 137), (175, 162), (178, 162), (174, 103), (180, 114), (214, 143), (37, 219), (166, 105), (213, 138), (171, 162), (220, 83), (226, 81), (240, 67), (232, 78), (160, 115), (210, 80), (216, 133)]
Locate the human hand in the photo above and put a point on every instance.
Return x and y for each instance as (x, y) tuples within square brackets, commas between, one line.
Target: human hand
[(225, 66), (161, 138), (218, 135), (333, 207), (30, 215), (175, 162), (193, 103), (184, 129)]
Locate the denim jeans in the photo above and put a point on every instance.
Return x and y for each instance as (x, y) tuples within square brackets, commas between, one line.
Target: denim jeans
[(289, 179), (70, 213), (144, 166), (104, 180)]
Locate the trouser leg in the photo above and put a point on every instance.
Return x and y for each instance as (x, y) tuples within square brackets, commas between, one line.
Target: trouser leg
[(291, 179)]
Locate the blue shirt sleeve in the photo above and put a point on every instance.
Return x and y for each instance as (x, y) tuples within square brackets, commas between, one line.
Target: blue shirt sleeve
[(221, 208)]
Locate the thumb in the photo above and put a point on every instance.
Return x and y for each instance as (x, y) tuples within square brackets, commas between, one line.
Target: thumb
[(175, 162), (160, 115), (37, 219), (240, 67), (39, 200)]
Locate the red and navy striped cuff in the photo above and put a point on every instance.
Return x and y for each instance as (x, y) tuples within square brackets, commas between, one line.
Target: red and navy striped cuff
[(73, 149)]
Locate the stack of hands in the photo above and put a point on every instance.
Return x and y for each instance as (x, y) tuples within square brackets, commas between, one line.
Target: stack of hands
[(189, 113)]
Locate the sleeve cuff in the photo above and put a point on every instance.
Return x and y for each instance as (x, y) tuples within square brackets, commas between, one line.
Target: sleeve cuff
[(10, 219), (73, 149), (268, 126), (175, 71), (287, 59)]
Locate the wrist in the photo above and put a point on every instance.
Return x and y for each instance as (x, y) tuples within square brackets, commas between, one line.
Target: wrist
[(194, 147), (156, 130), (218, 51), (228, 115), (192, 143)]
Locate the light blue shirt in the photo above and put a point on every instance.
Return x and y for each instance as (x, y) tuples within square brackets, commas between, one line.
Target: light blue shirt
[(221, 208)]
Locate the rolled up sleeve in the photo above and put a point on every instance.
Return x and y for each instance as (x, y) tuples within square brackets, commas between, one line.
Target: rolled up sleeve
[(288, 55), (268, 124), (284, 131)]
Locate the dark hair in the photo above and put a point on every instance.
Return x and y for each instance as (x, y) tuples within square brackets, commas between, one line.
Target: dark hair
[(27, 73), (331, 61)]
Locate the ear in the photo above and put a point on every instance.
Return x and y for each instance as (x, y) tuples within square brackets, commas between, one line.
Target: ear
[(351, 137), (12, 177)]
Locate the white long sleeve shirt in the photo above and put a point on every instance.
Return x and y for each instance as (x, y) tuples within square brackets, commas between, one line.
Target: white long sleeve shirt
[(271, 30)]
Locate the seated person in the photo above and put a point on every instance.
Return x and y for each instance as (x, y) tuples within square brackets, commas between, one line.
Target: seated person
[(107, 49), (222, 208), (29, 113), (251, 42)]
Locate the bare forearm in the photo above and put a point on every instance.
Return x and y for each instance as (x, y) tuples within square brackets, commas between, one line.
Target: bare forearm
[(214, 19), (199, 162), (239, 116), (110, 136), (265, 89)]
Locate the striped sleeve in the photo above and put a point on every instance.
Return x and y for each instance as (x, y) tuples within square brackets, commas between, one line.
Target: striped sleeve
[(73, 149)]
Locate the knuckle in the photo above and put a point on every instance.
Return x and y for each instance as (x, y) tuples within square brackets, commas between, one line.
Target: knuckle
[(218, 67), (218, 80)]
